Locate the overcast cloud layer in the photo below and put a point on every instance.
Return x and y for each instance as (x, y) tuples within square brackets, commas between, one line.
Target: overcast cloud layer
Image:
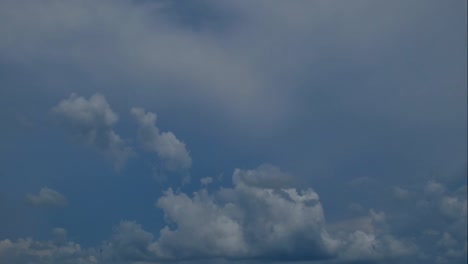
[(249, 131)]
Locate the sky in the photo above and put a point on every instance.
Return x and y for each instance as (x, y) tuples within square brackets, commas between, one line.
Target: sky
[(247, 131)]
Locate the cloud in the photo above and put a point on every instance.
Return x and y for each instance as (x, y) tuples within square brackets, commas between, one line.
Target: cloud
[(401, 193), (265, 176), (129, 242), (170, 150), (47, 198), (253, 223), (27, 250), (434, 218), (206, 180), (90, 121)]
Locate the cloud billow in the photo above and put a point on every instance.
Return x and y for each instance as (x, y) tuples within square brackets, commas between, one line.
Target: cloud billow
[(90, 121), (246, 222)]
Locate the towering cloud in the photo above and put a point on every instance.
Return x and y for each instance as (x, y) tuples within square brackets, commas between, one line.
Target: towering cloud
[(170, 150), (90, 121)]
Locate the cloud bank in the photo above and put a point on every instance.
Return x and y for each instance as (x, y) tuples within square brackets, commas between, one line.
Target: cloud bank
[(254, 223)]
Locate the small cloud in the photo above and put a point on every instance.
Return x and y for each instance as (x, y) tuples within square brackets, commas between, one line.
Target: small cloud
[(434, 188), (377, 217), (265, 176), (47, 198), (90, 121), (206, 180), (356, 208), (168, 147), (59, 235), (401, 193)]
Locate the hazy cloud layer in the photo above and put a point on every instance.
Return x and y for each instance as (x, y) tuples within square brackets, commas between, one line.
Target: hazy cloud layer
[(47, 198), (169, 149), (90, 121)]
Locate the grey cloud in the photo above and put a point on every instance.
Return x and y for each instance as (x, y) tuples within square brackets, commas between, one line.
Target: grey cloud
[(90, 121), (432, 222), (47, 198), (401, 193), (129, 242), (265, 176), (206, 180), (367, 239), (169, 149), (27, 250)]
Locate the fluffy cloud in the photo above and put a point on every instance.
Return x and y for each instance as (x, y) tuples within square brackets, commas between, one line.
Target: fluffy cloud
[(259, 223), (254, 222), (90, 121), (47, 198), (170, 150), (247, 221)]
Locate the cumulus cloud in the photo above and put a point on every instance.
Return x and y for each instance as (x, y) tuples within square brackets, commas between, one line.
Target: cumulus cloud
[(435, 219), (90, 121), (129, 242), (47, 198), (252, 222), (169, 149), (28, 250)]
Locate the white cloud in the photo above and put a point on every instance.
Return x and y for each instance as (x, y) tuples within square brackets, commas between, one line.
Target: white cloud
[(47, 198), (257, 223), (90, 121), (170, 150)]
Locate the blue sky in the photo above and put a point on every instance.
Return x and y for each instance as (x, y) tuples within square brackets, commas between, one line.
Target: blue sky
[(233, 131)]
